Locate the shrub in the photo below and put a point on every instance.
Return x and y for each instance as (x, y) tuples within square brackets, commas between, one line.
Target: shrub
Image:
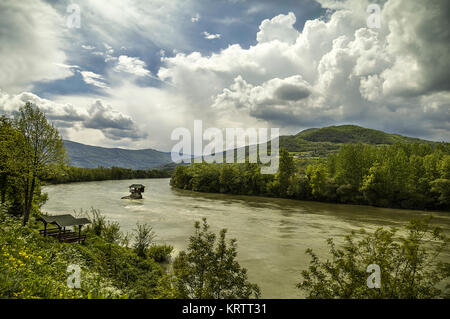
[(98, 221), (111, 233), (160, 253), (209, 270), (33, 266), (143, 238), (409, 265)]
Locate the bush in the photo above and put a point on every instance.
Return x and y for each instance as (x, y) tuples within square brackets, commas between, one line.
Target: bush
[(143, 238), (160, 253), (33, 266), (108, 230), (98, 221), (409, 265), (209, 270), (111, 233)]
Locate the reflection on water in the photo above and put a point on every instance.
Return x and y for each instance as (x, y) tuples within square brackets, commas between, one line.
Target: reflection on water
[(272, 234)]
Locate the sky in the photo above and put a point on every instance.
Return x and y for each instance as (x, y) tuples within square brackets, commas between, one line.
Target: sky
[(126, 73)]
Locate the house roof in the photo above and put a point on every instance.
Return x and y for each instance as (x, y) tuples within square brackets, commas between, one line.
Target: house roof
[(137, 186), (64, 220)]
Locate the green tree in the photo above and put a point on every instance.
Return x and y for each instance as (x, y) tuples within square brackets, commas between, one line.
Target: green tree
[(409, 265), (318, 176), (205, 178), (227, 179), (209, 270), (285, 171), (11, 142), (44, 154), (143, 238), (400, 175), (376, 186), (350, 165), (441, 185), (299, 187)]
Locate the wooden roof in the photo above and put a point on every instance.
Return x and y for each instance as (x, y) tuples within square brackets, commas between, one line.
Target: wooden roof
[(136, 186), (64, 220)]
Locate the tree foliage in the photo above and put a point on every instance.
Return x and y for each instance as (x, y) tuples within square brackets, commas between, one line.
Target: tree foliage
[(42, 155), (11, 142), (208, 269), (401, 176), (78, 174), (409, 263), (144, 236)]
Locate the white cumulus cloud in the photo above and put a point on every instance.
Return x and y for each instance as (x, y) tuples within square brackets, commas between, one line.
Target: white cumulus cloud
[(32, 40), (210, 36), (94, 79), (131, 65), (279, 28), (335, 70)]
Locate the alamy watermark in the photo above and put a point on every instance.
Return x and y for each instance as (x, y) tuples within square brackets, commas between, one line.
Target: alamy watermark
[(374, 19), (73, 20), (374, 280), (74, 278), (235, 142)]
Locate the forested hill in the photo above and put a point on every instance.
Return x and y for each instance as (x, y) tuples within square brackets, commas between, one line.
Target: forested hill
[(353, 134), (81, 155), (321, 141)]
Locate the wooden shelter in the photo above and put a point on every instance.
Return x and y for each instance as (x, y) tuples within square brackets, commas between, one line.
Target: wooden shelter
[(60, 232)]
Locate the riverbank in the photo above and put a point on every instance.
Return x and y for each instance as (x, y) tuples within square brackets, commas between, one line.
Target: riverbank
[(256, 197), (406, 176), (35, 267), (272, 233), (111, 264)]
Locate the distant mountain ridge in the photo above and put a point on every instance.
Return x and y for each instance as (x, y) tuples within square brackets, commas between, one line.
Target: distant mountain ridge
[(311, 142), (87, 156)]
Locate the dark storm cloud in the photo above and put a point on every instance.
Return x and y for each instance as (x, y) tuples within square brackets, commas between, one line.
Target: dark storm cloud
[(70, 114), (288, 118), (119, 134), (291, 92), (113, 124), (101, 117)]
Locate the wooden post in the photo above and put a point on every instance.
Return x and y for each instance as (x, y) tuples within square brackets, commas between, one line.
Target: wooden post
[(79, 234), (45, 229)]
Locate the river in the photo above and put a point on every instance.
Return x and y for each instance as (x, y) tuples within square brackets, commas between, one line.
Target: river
[(272, 234)]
